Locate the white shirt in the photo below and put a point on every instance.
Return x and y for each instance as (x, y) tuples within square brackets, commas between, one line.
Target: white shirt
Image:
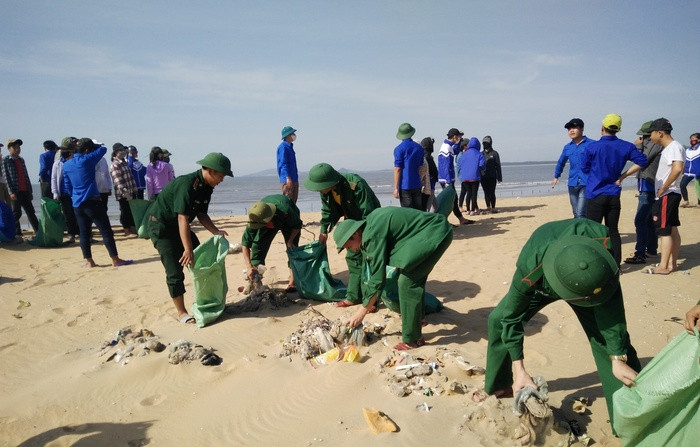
[(673, 152)]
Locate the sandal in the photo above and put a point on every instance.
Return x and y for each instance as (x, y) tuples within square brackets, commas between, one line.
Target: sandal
[(403, 346), (187, 319), (636, 259)]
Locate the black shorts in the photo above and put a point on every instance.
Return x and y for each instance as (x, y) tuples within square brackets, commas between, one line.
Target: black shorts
[(665, 213)]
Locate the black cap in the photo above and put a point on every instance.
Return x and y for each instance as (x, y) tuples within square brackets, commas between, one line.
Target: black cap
[(133, 149), (454, 132), (574, 122), (118, 147), (50, 145), (661, 124)]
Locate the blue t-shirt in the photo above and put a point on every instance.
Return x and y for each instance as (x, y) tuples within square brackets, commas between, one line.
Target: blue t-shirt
[(409, 156), (45, 164), (287, 162), (574, 154), (79, 176), (603, 162)]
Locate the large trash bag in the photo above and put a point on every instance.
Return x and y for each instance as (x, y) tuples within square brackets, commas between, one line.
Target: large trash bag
[(8, 227), (446, 200), (390, 295), (51, 224), (139, 211), (312, 274), (209, 280), (663, 408)]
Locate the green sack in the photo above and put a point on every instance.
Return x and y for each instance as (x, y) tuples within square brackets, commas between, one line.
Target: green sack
[(390, 295), (209, 280), (662, 409), (312, 274), (446, 200), (139, 211), (51, 224)]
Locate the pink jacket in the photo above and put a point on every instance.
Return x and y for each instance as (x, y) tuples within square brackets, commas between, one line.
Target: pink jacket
[(158, 176)]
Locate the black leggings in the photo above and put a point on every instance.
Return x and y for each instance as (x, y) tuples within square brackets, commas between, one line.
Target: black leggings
[(489, 185), (472, 189)]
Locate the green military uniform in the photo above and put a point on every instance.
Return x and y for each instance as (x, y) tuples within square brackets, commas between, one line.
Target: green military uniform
[(286, 219), (412, 241), (352, 198), (190, 195), (604, 324)]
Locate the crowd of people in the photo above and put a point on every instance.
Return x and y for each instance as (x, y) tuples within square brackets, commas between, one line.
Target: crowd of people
[(576, 260)]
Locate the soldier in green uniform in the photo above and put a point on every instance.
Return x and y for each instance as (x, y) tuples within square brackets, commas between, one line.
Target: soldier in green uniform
[(348, 196), (570, 260), (170, 215), (265, 218), (408, 239)]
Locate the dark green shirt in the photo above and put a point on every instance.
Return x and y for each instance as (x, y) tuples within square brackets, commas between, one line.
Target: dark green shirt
[(188, 194), (399, 237), (357, 200), (286, 218), (529, 280)]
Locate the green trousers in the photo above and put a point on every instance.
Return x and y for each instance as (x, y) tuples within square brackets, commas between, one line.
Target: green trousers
[(499, 371), (354, 261), (259, 248), (170, 251), (411, 284)]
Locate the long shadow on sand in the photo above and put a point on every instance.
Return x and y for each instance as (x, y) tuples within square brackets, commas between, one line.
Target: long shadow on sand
[(487, 226), (95, 433)]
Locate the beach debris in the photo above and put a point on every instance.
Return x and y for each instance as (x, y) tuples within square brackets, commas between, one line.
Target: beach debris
[(579, 405), (378, 421), (183, 351), (254, 285), (23, 303), (423, 407), (127, 343), (530, 404), (317, 335), (17, 315), (235, 248)]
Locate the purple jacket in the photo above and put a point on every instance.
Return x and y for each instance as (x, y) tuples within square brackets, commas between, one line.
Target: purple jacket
[(158, 176)]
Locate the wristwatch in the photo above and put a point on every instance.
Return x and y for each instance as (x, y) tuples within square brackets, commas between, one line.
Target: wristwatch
[(622, 358)]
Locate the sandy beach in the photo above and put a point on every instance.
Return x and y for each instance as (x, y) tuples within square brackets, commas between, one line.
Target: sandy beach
[(55, 317)]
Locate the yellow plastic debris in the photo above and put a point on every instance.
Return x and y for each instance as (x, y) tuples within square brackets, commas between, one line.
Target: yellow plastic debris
[(379, 422)]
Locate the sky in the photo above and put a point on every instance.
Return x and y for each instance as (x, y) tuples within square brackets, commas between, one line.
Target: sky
[(227, 76)]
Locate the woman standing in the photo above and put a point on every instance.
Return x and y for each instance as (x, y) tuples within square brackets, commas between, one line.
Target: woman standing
[(158, 173), (491, 175), (472, 163)]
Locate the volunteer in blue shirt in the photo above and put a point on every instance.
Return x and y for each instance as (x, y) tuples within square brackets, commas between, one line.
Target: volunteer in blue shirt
[(603, 162), (408, 161), (46, 160), (79, 181), (287, 164), (573, 152)]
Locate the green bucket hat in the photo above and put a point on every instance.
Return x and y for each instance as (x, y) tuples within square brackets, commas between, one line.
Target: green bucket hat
[(581, 271), (344, 231), (287, 131), (321, 176), (405, 131), (216, 161), (260, 214), (645, 129)]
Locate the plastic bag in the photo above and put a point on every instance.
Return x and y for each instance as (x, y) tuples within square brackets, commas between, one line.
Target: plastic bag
[(8, 227), (51, 224), (209, 280), (446, 200), (390, 295), (662, 407), (312, 274), (139, 211)]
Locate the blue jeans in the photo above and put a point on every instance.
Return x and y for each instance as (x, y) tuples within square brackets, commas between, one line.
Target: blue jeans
[(577, 197), (684, 186), (646, 234)]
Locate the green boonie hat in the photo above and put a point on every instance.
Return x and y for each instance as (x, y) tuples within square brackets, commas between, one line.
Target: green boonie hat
[(644, 130), (321, 176), (260, 214), (581, 271), (405, 131), (344, 231), (216, 161), (287, 131)]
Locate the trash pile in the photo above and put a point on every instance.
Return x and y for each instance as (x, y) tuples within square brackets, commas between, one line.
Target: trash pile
[(127, 344), (258, 294), (407, 374), (318, 335)]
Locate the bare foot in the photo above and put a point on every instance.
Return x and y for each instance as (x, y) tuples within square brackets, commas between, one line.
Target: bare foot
[(89, 263), (479, 395), (118, 262)]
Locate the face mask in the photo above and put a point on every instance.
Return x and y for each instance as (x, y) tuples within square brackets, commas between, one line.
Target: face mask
[(294, 138)]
